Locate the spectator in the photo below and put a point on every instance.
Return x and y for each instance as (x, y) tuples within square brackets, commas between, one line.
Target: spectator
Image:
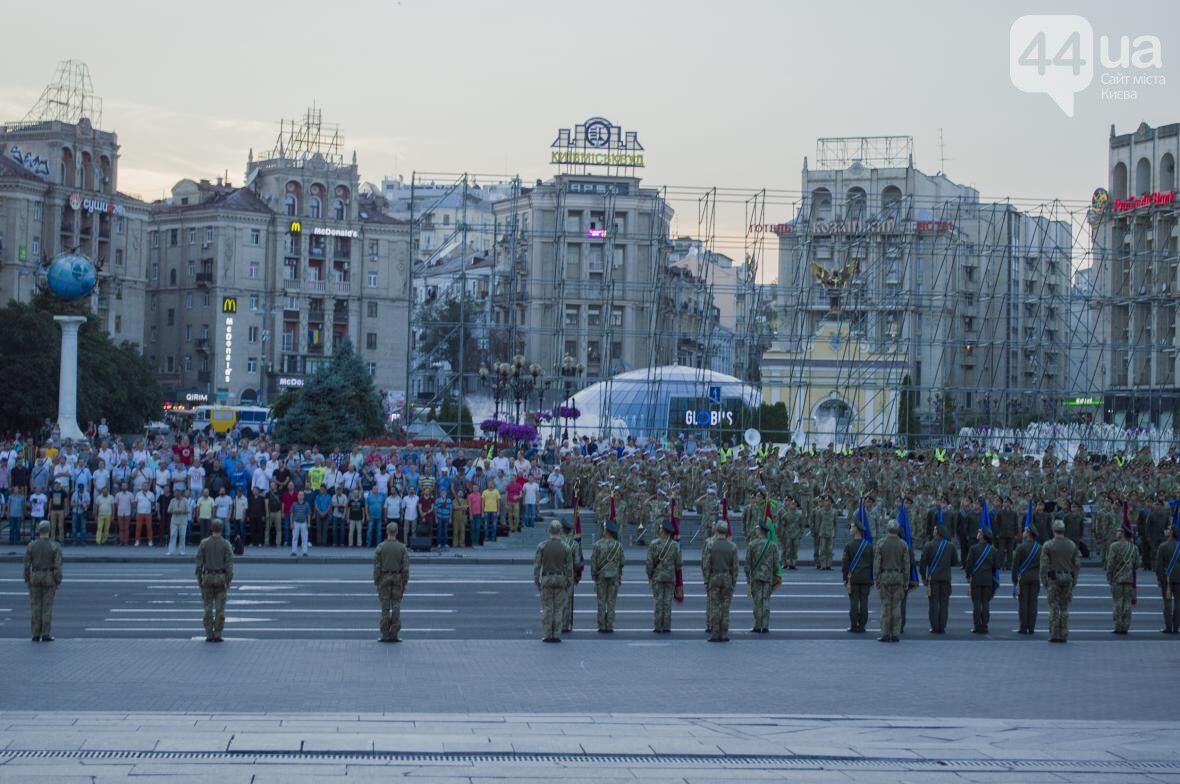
[(300, 517), (491, 512), (475, 515), (16, 513), (531, 491), (179, 512)]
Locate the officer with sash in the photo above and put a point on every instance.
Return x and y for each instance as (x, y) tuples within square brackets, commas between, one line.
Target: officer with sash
[(1026, 586), (1167, 572), (857, 569), (982, 564), (938, 558)]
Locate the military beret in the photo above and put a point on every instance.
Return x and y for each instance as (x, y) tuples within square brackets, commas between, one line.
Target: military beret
[(667, 526), (612, 527), (567, 524)]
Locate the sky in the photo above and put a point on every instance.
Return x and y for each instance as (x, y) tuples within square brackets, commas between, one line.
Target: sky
[(730, 94)]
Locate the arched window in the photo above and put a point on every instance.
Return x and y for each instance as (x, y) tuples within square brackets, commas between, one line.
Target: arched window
[(338, 209), (1142, 177), (891, 198), (292, 204), (856, 201), (313, 207), (1118, 181), (1167, 172), (821, 204), (67, 167)]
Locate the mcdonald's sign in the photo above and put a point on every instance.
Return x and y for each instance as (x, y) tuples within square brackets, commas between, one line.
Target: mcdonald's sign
[(229, 305), (296, 227)]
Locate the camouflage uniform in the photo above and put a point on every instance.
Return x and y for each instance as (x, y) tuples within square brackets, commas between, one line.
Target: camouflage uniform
[(891, 569), (663, 561), (706, 506), (606, 569), (42, 578), (553, 573), (1060, 564), (575, 548), (719, 567), (761, 569), (215, 572), (822, 533), (791, 531), (1122, 559), (391, 573)]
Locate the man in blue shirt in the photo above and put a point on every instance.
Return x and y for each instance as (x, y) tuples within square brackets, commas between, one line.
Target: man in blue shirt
[(375, 502)]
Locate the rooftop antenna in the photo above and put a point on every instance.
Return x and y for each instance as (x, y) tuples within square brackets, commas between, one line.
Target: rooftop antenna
[(68, 98), (942, 159)]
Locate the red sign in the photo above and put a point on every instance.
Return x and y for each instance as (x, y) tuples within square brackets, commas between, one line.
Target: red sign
[(935, 226), (775, 228), (1146, 200)]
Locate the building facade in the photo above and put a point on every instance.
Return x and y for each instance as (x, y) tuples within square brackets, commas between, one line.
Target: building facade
[(1135, 233)]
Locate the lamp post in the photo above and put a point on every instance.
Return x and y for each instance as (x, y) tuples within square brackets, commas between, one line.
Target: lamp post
[(571, 370), (513, 382)]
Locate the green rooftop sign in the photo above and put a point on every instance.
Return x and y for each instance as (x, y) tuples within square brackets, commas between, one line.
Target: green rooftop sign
[(1082, 401)]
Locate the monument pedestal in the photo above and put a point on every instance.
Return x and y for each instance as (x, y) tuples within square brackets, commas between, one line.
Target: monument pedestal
[(67, 387)]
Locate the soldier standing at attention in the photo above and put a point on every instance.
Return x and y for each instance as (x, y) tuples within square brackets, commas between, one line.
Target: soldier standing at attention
[(1005, 527), (606, 569), (857, 569), (761, 570), (575, 548), (792, 531), (553, 573), (823, 534), (1025, 580), (1060, 564), (980, 566), (706, 506), (719, 567), (391, 573), (1168, 576), (1122, 559), (938, 558), (891, 566), (42, 578), (215, 572), (663, 561)]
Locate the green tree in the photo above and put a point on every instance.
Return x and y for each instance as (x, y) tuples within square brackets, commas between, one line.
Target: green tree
[(337, 406), (456, 420), (114, 379)]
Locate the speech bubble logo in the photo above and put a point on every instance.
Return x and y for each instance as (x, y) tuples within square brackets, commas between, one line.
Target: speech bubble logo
[(1052, 54)]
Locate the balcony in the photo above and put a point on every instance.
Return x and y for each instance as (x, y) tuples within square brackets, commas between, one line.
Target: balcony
[(315, 286), (204, 279), (202, 345), (342, 287)]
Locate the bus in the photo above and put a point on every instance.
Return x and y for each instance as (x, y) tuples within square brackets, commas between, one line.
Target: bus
[(251, 421)]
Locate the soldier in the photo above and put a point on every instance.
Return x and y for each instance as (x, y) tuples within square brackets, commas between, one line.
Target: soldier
[(1122, 559), (391, 572), (553, 574), (980, 565), (1072, 517), (761, 571), (575, 548), (1005, 529), (606, 569), (1157, 522), (663, 561), (891, 567), (823, 533), (706, 507), (215, 572), (1025, 580), (857, 571), (753, 513), (1104, 525), (1060, 564), (42, 578), (719, 567), (792, 531), (938, 557), (1169, 580)]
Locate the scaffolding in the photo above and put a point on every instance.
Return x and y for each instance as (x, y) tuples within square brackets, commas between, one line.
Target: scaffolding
[(308, 137), (68, 98)]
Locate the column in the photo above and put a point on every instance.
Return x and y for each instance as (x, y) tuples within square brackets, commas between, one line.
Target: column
[(67, 388)]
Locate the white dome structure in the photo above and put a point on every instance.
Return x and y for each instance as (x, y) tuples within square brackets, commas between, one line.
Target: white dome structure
[(661, 401)]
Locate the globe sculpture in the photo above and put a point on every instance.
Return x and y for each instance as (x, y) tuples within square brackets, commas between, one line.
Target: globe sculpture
[(69, 277)]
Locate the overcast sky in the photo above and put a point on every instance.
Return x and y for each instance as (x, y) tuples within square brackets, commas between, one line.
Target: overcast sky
[(729, 94)]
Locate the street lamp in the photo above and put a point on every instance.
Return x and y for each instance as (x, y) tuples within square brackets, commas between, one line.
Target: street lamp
[(571, 372)]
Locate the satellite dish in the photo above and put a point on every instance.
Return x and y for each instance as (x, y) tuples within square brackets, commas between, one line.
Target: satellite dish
[(752, 438)]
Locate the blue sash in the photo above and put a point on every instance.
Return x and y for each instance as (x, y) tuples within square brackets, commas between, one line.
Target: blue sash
[(937, 557), (1172, 563), (1036, 548), (987, 549), (856, 559)]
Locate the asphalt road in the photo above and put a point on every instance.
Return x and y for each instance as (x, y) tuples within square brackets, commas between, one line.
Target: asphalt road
[(304, 600)]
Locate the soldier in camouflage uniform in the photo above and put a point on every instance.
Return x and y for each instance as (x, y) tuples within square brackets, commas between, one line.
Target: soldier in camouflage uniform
[(575, 548), (891, 569), (1167, 574), (553, 573), (391, 573), (823, 531), (719, 568), (42, 578), (707, 507), (1105, 525), (606, 569), (761, 570), (1122, 559), (790, 520), (663, 561), (1060, 564), (215, 572)]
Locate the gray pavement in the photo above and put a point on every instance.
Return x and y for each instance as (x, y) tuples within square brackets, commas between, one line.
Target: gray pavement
[(579, 747)]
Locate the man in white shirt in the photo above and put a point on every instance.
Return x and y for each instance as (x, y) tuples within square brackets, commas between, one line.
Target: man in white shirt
[(196, 479), (145, 499), (260, 478), (556, 485), (410, 512), (163, 477), (381, 481)]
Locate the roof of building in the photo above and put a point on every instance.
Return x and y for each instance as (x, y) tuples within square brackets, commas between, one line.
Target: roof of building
[(235, 200), (10, 168)]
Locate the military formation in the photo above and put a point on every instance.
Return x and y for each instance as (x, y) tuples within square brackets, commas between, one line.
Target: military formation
[(1032, 529)]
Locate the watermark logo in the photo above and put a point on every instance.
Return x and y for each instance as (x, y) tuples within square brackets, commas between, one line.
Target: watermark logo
[(1054, 54)]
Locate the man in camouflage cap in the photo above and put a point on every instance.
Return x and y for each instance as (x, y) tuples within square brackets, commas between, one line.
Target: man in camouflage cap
[(606, 569), (42, 578)]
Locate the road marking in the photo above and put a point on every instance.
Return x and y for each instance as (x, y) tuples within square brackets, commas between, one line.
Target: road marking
[(191, 629), (439, 611)]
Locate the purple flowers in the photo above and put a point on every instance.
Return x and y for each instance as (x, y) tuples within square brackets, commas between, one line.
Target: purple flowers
[(511, 432), (542, 416), (491, 426), (568, 412)]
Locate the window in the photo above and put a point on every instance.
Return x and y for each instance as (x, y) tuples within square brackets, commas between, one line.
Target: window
[(192, 269), (371, 309), (594, 315), (252, 335), (155, 270), (172, 277), (372, 249), (372, 280), (188, 361), (313, 207), (338, 209), (252, 270), (372, 368), (254, 300), (188, 301), (205, 299), (155, 239), (118, 257), (192, 236), (292, 303), (371, 341), (169, 363), (174, 237), (208, 234), (573, 315), (171, 316), (204, 331), (36, 248), (37, 211), (616, 316), (188, 333), (255, 237), (291, 205), (251, 364), (118, 324)]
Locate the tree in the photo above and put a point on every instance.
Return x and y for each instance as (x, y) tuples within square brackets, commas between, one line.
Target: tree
[(455, 420), (114, 379), (439, 338), (337, 406)]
